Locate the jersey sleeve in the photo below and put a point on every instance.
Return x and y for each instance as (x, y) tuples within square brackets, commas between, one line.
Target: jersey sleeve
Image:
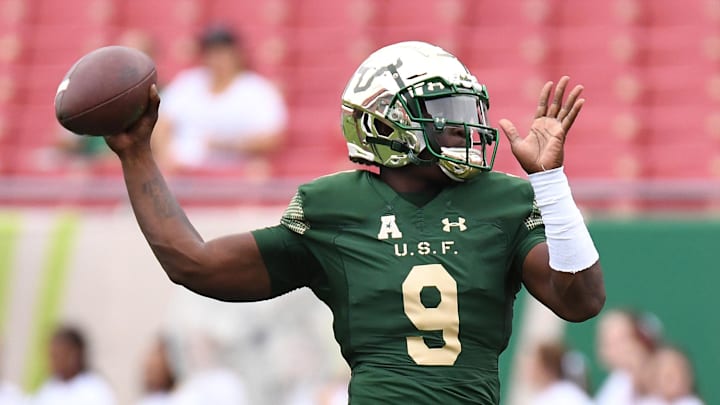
[(531, 233), (289, 262)]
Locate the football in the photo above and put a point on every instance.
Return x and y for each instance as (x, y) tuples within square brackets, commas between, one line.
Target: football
[(105, 91)]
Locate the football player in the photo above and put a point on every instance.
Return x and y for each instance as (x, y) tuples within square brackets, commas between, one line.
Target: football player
[(420, 264)]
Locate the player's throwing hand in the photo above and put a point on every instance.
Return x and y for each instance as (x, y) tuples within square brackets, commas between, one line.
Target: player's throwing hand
[(136, 139), (543, 148)]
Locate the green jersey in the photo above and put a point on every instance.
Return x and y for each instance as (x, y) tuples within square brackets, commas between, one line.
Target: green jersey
[(422, 295)]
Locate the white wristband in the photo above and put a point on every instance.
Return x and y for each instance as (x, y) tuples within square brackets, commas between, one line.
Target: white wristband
[(570, 246)]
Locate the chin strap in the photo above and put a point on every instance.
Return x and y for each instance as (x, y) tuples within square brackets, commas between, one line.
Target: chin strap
[(416, 160), (397, 146), (402, 147)]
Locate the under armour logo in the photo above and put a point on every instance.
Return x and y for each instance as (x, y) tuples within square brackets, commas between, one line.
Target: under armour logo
[(447, 225)]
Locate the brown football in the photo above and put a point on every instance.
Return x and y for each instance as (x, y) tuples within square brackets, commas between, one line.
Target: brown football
[(105, 91)]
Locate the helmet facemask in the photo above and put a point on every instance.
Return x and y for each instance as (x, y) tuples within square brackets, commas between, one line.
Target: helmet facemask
[(434, 106)]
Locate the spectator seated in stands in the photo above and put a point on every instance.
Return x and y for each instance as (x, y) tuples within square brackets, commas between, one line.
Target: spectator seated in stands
[(158, 376), (557, 375), (219, 115), (207, 379), (72, 381), (671, 379), (626, 342)]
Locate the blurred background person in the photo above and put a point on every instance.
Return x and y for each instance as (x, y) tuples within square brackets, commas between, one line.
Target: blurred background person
[(158, 376), (625, 344), (559, 376), (140, 40), (220, 114), (72, 381), (208, 380), (10, 394), (672, 380)]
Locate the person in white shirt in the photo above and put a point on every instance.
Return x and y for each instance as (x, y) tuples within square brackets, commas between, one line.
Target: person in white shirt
[(208, 380), (72, 381), (671, 379), (625, 343), (10, 394), (158, 376), (220, 114), (553, 372)]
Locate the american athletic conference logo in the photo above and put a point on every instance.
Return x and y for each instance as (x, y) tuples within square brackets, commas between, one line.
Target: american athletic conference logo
[(449, 226)]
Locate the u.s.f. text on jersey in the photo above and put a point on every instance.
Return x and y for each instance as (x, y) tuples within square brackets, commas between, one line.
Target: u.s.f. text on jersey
[(390, 230), (445, 247)]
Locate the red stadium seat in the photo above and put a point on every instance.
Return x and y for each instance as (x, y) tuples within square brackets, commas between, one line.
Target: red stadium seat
[(79, 12), (310, 162), (605, 160), (445, 37), (681, 122), (608, 85), (683, 13), (315, 126), (351, 15), (434, 21), (610, 124), (322, 47), (681, 84), (493, 14), (250, 14), (502, 47), (682, 45), (429, 14), (39, 83), (178, 13), (594, 46), (49, 43), (515, 88), (683, 160), (600, 13), (14, 12), (317, 85)]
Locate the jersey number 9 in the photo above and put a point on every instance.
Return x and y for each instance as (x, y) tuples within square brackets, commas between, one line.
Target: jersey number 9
[(443, 317)]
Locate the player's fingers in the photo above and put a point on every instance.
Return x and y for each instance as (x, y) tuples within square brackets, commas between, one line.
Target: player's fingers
[(151, 113), (570, 102), (509, 130), (543, 102), (558, 97), (567, 123), (154, 98), (147, 121)]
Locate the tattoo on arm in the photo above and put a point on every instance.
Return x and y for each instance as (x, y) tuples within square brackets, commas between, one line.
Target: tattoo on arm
[(163, 201)]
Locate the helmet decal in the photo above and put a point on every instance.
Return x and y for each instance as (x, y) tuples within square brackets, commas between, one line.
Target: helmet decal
[(360, 86)]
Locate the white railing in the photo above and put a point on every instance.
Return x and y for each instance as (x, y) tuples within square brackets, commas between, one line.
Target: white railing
[(205, 190)]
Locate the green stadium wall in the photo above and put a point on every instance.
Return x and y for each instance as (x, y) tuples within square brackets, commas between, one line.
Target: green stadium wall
[(669, 268)]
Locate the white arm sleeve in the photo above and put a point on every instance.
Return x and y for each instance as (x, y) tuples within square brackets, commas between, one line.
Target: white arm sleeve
[(569, 243)]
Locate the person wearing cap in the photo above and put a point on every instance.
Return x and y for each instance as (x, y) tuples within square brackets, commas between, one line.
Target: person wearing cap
[(219, 115)]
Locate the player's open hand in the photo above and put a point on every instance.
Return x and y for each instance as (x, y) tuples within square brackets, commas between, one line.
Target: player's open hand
[(137, 138), (543, 148)]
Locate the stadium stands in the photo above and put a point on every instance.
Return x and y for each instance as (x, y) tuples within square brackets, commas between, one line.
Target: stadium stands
[(651, 69)]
